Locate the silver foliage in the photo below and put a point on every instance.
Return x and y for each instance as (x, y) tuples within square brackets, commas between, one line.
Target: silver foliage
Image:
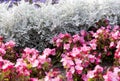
[(34, 27)]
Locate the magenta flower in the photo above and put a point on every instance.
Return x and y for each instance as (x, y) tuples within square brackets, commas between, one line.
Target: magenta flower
[(33, 79)]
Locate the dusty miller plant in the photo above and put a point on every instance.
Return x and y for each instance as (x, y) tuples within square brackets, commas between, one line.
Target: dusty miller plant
[(34, 27)]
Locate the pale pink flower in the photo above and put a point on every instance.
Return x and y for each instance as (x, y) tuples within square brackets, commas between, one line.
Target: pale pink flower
[(78, 61), (7, 65), (85, 49), (35, 63), (66, 46), (58, 42), (79, 69), (112, 44), (95, 35), (49, 51), (115, 35), (90, 74), (83, 33), (111, 76), (93, 44), (27, 51), (98, 69), (77, 38), (72, 70), (67, 62), (2, 51), (100, 30), (75, 52), (91, 58), (10, 44), (42, 59), (21, 67), (53, 75)]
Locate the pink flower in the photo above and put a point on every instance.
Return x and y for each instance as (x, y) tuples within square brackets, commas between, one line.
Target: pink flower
[(58, 42), (77, 38), (66, 46), (21, 67), (30, 54), (69, 76), (112, 76), (75, 52), (79, 69), (84, 77), (116, 27), (98, 60), (78, 61), (100, 30), (7, 65), (91, 58), (93, 44), (118, 45), (115, 35), (99, 69), (53, 75), (35, 63), (83, 33), (10, 44), (33, 79), (72, 70), (61, 35), (49, 51), (42, 59), (27, 50), (95, 35), (90, 74), (2, 51), (67, 62), (112, 44), (85, 49)]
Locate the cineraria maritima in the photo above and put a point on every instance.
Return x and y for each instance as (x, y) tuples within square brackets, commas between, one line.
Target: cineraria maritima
[(34, 27)]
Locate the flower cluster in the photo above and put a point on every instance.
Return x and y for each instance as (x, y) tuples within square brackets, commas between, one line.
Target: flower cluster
[(98, 74), (29, 65), (83, 51), (54, 75), (92, 55)]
